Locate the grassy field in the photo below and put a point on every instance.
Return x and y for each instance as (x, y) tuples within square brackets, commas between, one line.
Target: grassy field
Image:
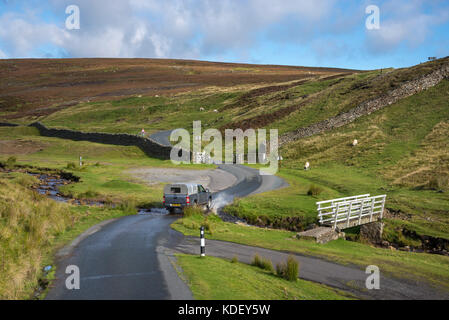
[(217, 279), (315, 97), (39, 87), (402, 152), (104, 174), (406, 265)]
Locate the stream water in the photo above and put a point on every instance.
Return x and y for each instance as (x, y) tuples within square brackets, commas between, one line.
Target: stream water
[(50, 184)]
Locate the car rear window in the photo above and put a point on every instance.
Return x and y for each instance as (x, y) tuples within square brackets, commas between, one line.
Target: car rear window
[(175, 189)]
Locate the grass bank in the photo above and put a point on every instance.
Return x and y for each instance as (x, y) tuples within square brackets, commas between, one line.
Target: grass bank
[(32, 228), (212, 278)]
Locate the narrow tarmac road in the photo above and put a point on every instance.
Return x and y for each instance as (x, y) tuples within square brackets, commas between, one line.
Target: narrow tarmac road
[(123, 260)]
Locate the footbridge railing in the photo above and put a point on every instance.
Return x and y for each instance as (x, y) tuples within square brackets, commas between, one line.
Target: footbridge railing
[(351, 211)]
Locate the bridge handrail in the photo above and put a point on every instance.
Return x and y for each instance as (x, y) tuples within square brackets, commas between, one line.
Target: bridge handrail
[(344, 199), (347, 203), (351, 208)]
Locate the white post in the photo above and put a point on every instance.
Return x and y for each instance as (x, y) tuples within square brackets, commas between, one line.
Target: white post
[(383, 206), (335, 216), (203, 242), (372, 210), (349, 214), (361, 211)]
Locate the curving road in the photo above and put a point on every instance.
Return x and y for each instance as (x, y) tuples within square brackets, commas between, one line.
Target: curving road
[(162, 137), (132, 257)]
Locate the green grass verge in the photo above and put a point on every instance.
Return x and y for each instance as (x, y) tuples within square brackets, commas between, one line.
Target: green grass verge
[(415, 266), (212, 278)]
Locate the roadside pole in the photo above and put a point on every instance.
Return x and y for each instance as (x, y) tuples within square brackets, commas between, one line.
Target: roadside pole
[(203, 242)]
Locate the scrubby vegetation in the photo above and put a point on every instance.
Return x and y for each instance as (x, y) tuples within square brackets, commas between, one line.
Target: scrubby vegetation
[(32, 226), (29, 223), (263, 263), (288, 270), (314, 190)]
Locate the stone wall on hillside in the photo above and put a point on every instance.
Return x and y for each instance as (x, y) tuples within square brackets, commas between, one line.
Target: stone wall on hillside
[(6, 124), (406, 90), (150, 147)]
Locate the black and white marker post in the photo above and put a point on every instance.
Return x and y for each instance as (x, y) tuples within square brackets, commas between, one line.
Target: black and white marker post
[(203, 242)]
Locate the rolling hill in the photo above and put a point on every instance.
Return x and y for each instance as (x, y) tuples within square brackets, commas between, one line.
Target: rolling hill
[(400, 118)]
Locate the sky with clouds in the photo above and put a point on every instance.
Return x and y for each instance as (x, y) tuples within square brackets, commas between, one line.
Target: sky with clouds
[(290, 32)]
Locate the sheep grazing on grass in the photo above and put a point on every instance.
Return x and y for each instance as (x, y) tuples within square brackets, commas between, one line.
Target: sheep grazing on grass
[(201, 109), (216, 111), (355, 142), (307, 166)]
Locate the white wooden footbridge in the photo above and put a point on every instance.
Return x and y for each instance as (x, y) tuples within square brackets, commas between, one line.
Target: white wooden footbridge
[(351, 211)]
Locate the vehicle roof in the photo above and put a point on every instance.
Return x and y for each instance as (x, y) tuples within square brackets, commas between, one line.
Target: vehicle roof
[(185, 184), (191, 187)]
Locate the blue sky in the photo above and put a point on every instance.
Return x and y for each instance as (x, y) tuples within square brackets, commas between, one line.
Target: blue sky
[(290, 32)]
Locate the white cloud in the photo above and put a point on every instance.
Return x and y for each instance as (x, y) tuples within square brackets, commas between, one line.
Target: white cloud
[(404, 22), (22, 35), (177, 28), (198, 28)]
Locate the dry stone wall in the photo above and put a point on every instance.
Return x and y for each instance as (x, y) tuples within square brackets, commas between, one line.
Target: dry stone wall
[(6, 124), (406, 90), (150, 147)]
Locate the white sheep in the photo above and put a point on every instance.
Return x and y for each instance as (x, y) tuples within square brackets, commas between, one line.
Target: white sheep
[(307, 166), (201, 109), (216, 111), (355, 142)]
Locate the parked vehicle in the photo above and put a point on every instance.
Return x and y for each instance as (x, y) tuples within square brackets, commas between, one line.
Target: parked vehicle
[(181, 195)]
